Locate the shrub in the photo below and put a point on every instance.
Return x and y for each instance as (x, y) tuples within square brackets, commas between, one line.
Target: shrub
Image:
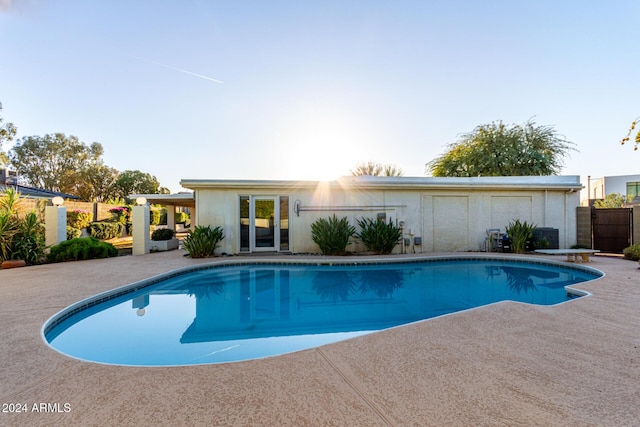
[(29, 242), (105, 230), (9, 221), (79, 218), (632, 252), (162, 234), (121, 214), (332, 234), (519, 233), (378, 236), (8, 229), (80, 249), (20, 238), (73, 233), (154, 217), (203, 241)]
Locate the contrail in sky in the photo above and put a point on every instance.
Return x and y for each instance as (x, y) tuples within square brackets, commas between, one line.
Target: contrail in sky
[(180, 70)]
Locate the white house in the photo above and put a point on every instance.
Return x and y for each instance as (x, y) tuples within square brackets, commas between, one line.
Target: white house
[(436, 214), (599, 188)]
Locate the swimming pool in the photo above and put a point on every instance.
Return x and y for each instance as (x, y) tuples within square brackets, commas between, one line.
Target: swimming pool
[(223, 313)]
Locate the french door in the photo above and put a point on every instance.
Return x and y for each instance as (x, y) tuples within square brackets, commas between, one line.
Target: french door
[(264, 223)]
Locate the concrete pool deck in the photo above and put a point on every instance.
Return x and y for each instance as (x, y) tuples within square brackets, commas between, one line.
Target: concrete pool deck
[(575, 364)]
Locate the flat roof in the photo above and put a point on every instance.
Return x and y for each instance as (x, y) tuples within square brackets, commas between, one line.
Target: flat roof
[(559, 182)]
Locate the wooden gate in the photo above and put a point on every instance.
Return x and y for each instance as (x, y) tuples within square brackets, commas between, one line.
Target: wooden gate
[(612, 229)]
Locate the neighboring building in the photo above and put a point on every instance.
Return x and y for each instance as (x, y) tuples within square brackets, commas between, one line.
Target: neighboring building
[(10, 179), (599, 188), (437, 214)]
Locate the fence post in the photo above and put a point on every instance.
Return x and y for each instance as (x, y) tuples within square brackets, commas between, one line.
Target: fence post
[(635, 224), (583, 224)]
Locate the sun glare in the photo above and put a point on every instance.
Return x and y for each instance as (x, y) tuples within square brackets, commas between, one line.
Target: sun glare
[(324, 147)]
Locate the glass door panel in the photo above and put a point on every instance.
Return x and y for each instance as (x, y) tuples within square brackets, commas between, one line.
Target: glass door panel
[(284, 223), (264, 223), (245, 224)]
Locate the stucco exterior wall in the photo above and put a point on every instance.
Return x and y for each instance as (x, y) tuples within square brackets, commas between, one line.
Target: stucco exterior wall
[(445, 219)]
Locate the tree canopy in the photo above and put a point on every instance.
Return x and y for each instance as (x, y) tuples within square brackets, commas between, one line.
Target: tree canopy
[(612, 201), (136, 182), (7, 133), (97, 183), (376, 169), (498, 150), (54, 162), (63, 163)]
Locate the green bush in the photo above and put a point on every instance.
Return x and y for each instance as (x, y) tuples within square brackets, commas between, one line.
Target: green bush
[(80, 249), (519, 233), (162, 234), (73, 233), (29, 241), (632, 252), (105, 230), (20, 238), (154, 216), (121, 214), (79, 218), (9, 221), (203, 241), (378, 236), (182, 218), (332, 234)]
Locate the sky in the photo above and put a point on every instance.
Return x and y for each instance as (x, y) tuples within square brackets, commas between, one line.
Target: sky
[(285, 89)]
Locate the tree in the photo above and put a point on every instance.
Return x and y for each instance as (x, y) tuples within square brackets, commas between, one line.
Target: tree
[(7, 133), (633, 130), (54, 162), (376, 169), (612, 201), (498, 150), (97, 183), (135, 182)]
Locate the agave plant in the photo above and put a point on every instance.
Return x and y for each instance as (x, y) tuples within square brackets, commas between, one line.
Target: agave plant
[(202, 241), (332, 234), (378, 236), (29, 241), (519, 233)]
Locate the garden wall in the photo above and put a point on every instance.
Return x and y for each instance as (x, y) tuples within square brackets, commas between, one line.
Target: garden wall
[(100, 211)]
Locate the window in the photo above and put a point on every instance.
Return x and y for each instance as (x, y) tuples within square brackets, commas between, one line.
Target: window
[(633, 189)]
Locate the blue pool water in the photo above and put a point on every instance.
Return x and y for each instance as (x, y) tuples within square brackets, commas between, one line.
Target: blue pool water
[(242, 312)]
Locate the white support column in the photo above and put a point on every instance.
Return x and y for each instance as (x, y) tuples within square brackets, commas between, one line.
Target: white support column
[(55, 220), (141, 238), (171, 217)]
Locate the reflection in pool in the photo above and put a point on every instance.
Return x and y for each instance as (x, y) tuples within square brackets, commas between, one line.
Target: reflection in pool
[(240, 312)]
